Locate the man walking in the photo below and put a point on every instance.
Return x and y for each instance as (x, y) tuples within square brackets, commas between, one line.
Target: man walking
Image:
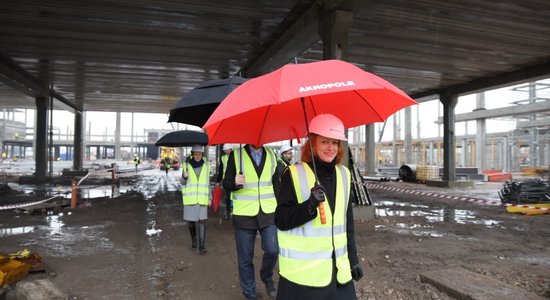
[(249, 176), (227, 149)]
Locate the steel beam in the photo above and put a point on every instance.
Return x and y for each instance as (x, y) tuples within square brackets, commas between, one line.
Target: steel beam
[(300, 36), (517, 110), (16, 77), (500, 80)]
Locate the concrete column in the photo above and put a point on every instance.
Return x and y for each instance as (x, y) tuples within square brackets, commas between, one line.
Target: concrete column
[(56, 152), (464, 158), (395, 149), (449, 160), (3, 133), (41, 129), (533, 132), (132, 137), (117, 137), (408, 136), (370, 146), (481, 130), (431, 154), (547, 154), (334, 25), (78, 144), (79, 136), (333, 30)]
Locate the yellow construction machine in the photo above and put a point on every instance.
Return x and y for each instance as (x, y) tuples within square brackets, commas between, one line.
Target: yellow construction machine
[(169, 155)]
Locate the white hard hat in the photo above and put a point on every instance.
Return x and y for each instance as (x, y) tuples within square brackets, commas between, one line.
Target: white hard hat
[(227, 147), (284, 148), (197, 148), (329, 126)]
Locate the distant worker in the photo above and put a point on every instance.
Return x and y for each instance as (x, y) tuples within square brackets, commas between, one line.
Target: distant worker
[(227, 148), (137, 161), (195, 195), (4, 156), (166, 164), (284, 160)]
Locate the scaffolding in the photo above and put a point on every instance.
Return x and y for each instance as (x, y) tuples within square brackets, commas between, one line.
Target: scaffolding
[(526, 146)]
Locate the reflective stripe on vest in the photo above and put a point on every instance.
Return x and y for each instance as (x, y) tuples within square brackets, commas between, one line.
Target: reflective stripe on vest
[(256, 192), (305, 255), (197, 189)]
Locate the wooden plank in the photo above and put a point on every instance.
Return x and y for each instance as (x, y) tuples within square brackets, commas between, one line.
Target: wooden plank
[(463, 284)]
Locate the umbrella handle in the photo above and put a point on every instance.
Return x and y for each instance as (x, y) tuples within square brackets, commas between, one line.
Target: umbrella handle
[(322, 213)]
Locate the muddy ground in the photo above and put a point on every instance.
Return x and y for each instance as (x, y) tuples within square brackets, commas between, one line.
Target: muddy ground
[(132, 243)]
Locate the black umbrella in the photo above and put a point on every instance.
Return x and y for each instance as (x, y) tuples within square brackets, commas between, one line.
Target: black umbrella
[(196, 106), (183, 138)]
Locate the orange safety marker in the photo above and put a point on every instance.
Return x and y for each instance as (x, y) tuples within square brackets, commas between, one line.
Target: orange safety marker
[(74, 194), (113, 171)]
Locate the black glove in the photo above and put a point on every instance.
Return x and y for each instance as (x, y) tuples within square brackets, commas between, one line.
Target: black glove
[(356, 272), (317, 196)]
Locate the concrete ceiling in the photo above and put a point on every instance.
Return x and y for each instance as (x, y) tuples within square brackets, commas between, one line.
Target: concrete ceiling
[(143, 55)]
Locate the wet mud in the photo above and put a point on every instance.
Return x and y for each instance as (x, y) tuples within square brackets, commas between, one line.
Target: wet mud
[(129, 241)]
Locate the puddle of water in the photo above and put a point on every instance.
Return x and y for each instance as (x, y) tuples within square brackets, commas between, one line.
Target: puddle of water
[(402, 204), (85, 191), (408, 229), (153, 231), (54, 227), (16, 230), (111, 191), (458, 216), (55, 224)]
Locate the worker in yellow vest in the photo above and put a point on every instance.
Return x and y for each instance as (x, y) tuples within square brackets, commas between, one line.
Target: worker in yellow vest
[(137, 161), (317, 260), (196, 195), (227, 149), (249, 176), (284, 160)]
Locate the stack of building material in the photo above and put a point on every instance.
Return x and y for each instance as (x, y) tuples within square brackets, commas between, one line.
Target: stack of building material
[(496, 175)]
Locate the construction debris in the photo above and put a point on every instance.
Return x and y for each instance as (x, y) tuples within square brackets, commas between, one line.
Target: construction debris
[(16, 266), (529, 191)]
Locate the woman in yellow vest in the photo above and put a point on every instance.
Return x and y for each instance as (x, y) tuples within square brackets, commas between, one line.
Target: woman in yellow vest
[(195, 195), (316, 260)]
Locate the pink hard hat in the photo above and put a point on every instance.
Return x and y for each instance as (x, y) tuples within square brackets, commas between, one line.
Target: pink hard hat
[(329, 126)]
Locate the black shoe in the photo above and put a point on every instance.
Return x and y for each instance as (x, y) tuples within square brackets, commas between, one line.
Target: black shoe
[(202, 248), (271, 290), (194, 244)]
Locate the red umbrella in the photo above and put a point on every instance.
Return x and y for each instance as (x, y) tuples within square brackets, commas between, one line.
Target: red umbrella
[(271, 107), (279, 105), (217, 195)]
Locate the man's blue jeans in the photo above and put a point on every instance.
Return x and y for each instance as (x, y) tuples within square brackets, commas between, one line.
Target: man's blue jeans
[(245, 239)]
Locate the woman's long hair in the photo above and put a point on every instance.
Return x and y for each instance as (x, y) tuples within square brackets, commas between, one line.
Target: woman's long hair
[(306, 156)]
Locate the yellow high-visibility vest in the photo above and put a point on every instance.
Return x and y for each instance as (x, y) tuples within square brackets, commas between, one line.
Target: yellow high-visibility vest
[(305, 252), (197, 188), (257, 191)]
